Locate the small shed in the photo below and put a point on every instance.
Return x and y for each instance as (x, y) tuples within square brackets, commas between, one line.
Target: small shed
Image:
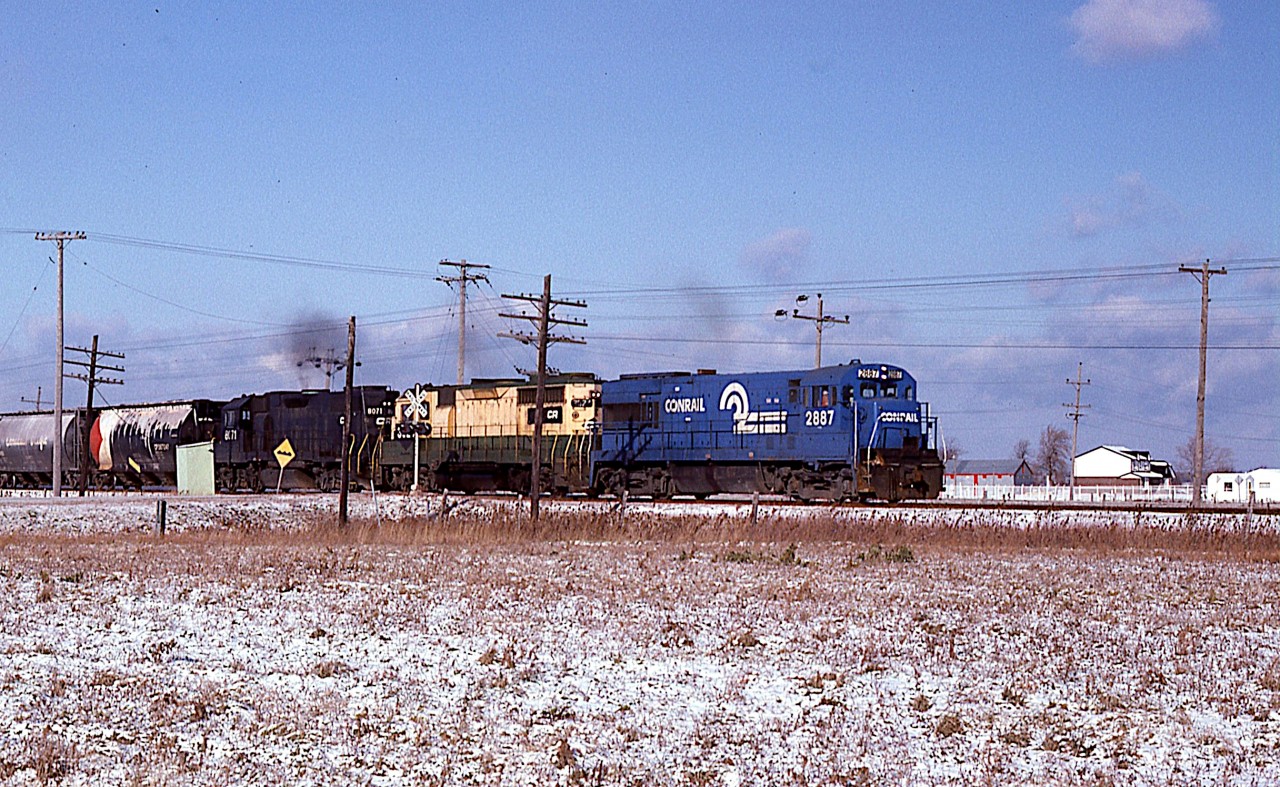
[(988, 472), (1256, 486), (1116, 465)]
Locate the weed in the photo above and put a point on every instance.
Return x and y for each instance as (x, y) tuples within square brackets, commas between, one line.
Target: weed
[(948, 725), (329, 668), (50, 757)]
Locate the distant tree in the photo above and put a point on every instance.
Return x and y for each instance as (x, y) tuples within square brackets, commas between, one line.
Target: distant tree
[(1022, 451), (953, 451), (1053, 459), (1217, 459)]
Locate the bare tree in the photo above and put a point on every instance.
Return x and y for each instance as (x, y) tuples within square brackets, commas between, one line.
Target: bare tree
[(1022, 451), (953, 451), (1217, 458), (1053, 459)]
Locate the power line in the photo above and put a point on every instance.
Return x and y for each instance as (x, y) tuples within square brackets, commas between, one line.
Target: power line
[(933, 345)]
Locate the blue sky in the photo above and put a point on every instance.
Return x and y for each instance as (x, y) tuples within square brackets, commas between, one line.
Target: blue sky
[(686, 169)]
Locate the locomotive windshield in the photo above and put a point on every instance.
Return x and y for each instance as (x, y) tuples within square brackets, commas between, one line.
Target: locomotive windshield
[(884, 383)]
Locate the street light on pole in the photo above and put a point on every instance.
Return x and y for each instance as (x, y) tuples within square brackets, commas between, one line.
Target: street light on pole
[(819, 321)]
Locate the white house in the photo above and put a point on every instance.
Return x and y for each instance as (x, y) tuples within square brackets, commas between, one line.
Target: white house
[(1259, 486), (1115, 465)]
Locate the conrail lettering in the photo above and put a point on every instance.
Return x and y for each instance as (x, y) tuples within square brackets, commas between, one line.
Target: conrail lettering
[(688, 404), (900, 418)]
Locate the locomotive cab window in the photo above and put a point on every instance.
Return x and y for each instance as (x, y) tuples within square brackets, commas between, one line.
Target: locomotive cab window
[(908, 394), (868, 391), (846, 395), (890, 391)]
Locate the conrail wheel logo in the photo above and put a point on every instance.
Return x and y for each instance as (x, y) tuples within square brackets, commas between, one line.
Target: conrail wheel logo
[(734, 397)]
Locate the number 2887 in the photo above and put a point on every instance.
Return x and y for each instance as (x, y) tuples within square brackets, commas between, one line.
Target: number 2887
[(819, 417)]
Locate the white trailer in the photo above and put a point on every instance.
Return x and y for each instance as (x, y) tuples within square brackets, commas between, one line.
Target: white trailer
[(1257, 486)]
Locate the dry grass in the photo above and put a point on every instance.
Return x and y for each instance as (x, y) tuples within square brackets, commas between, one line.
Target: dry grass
[(1125, 532), (642, 649)]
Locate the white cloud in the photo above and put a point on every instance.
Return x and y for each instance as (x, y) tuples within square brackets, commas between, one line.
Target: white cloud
[(1108, 30), (1130, 203), (780, 256)]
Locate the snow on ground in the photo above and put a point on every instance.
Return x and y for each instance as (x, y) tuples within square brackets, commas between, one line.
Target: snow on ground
[(254, 645)]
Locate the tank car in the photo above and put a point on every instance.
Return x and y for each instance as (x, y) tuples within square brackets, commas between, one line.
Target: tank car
[(853, 431), (26, 449), (305, 429), (136, 445), (479, 437)]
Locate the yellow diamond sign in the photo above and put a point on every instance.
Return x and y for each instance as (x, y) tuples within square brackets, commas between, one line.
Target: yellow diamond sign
[(284, 453)]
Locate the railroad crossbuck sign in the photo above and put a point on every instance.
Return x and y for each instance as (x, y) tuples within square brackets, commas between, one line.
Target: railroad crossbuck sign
[(416, 408), (284, 453)]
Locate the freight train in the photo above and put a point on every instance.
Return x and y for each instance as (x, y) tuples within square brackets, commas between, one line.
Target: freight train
[(853, 431)]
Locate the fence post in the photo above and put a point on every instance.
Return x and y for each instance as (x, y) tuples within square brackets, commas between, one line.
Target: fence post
[(162, 509)]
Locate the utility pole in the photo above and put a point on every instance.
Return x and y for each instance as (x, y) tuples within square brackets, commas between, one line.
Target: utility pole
[(1075, 415), (543, 319), (345, 475), (36, 401), (461, 279), (819, 322), (328, 362), (59, 238), (92, 379), (1203, 274)]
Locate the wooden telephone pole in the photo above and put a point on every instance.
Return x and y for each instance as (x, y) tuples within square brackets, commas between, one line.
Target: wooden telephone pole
[(1075, 415), (543, 319), (92, 379), (59, 238), (345, 475), (1203, 273), (461, 280), (819, 321)]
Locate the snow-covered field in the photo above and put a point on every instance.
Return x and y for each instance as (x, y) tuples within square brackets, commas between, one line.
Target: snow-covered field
[(256, 644)]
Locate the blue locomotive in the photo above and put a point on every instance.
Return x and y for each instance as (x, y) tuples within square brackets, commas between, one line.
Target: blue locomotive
[(854, 431)]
